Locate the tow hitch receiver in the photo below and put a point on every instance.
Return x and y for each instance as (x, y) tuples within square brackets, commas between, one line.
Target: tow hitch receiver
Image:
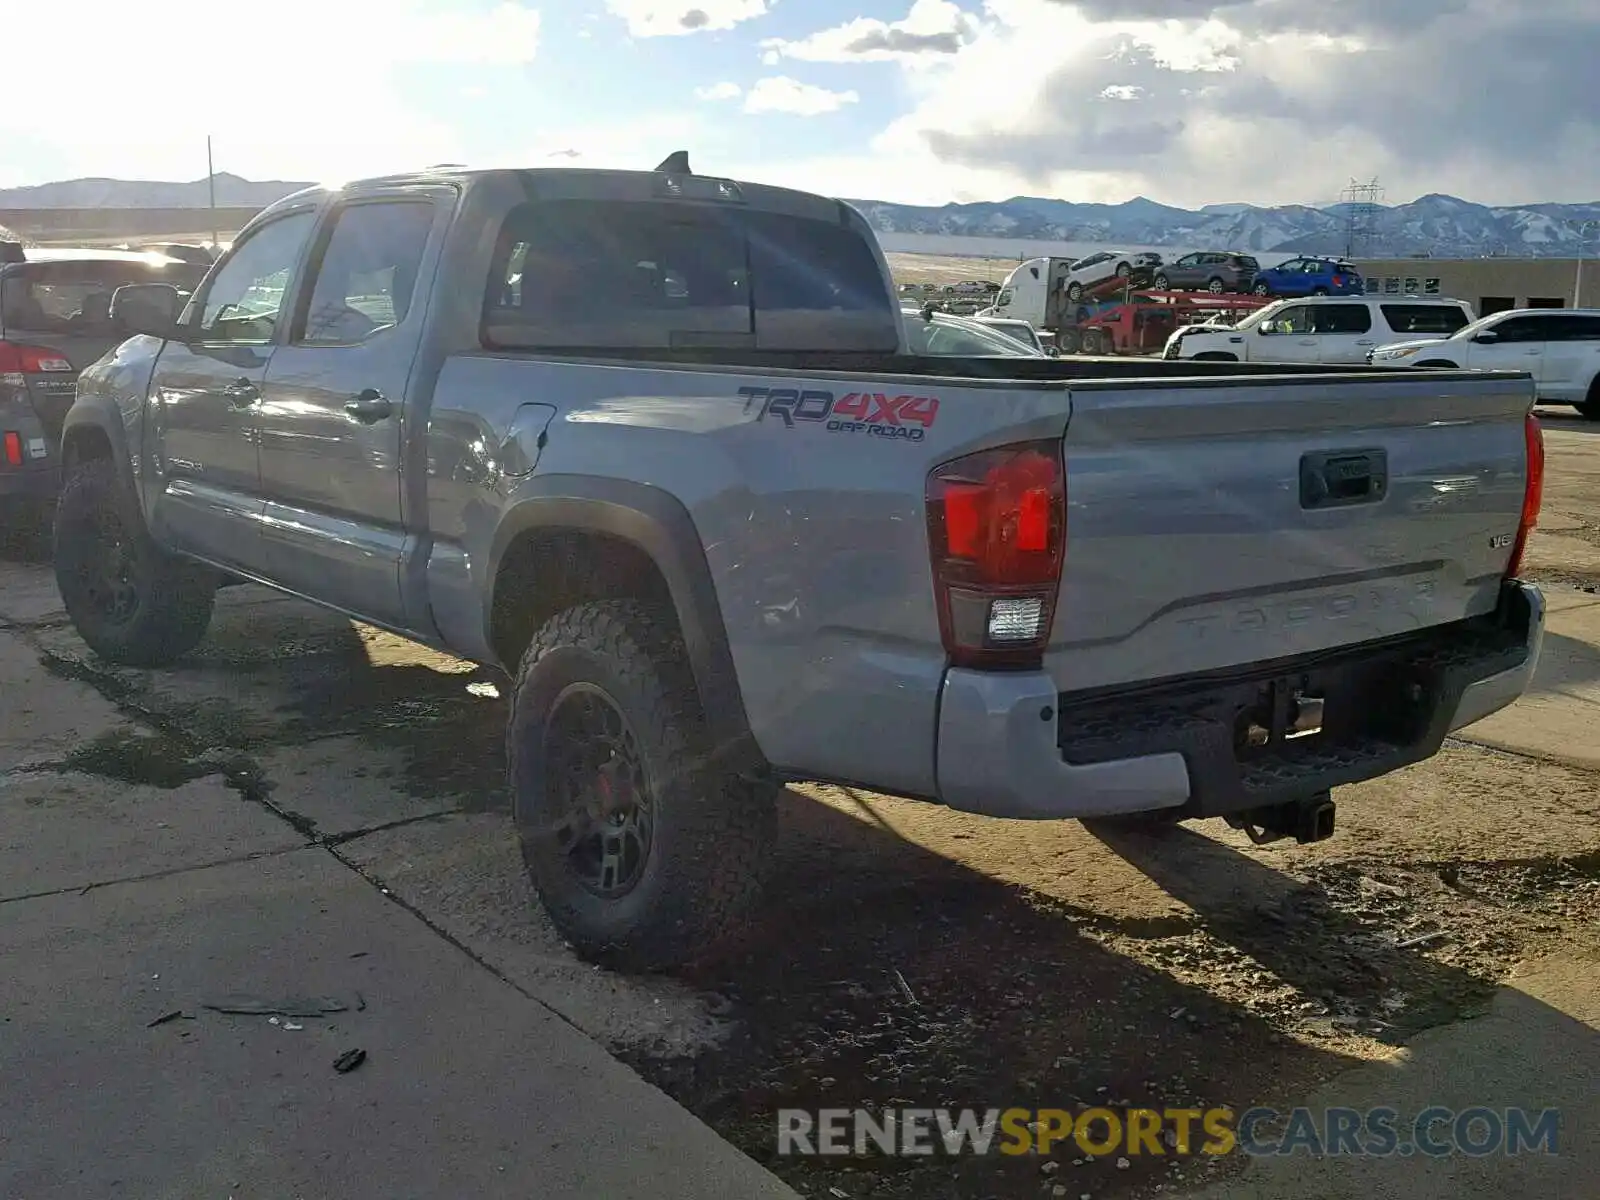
[(1308, 820)]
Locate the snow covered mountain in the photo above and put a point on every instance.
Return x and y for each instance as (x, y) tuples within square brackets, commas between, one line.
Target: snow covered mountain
[(1442, 226)]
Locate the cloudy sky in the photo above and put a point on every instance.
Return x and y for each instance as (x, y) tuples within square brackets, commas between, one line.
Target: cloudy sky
[(1184, 101)]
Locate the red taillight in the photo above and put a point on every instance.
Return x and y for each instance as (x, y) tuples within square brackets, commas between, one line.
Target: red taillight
[(1338, 281), (13, 441), (17, 359), (997, 530), (1532, 492)]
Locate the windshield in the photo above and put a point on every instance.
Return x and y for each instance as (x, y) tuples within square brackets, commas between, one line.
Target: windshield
[(1260, 315), (947, 339), (1466, 331)]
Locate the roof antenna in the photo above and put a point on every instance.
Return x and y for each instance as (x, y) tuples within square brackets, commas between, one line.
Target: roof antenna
[(676, 163)]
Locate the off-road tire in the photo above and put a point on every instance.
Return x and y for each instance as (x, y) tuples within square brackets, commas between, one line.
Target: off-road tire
[(171, 598), (712, 833)]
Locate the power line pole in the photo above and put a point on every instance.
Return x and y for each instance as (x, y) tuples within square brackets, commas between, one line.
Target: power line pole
[(1583, 228), (211, 189), (1361, 202)]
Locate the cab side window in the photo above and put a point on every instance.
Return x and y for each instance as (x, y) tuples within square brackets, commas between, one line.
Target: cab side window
[(246, 296)]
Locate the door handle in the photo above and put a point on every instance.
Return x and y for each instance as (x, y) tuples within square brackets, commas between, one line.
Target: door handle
[(1308, 341), (371, 405), (241, 393), (1367, 342)]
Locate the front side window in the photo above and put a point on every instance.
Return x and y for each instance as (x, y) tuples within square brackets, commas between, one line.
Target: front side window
[(247, 294), (1527, 328), (368, 273), (1290, 320)]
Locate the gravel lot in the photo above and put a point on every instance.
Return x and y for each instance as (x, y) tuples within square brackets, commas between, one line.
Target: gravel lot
[(1045, 964)]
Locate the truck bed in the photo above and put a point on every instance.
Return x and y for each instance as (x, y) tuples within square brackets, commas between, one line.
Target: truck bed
[(1187, 548)]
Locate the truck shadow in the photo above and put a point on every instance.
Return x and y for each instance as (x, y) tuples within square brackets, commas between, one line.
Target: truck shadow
[(1326, 931), (884, 973)]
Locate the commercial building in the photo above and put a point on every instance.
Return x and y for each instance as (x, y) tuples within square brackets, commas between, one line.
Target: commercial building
[(1489, 284)]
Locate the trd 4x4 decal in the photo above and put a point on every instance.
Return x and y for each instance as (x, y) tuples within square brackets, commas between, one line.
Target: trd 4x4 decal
[(876, 414)]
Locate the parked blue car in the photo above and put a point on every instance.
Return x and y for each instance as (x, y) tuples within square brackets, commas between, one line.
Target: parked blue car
[(1309, 277)]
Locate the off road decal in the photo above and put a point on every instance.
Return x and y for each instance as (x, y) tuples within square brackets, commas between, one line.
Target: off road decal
[(906, 417)]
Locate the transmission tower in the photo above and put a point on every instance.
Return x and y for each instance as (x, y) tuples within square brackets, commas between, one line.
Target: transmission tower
[(1361, 203)]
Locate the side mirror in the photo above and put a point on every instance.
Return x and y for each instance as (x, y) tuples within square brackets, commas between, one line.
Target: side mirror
[(1487, 336), (148, 308)]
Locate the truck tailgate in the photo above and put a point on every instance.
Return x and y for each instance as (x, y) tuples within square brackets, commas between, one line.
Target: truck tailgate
[(1212, 524)]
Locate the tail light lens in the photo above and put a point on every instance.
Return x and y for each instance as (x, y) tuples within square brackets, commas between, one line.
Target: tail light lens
[(18, 360), (13, 448), (1532, 492), (997, 531)]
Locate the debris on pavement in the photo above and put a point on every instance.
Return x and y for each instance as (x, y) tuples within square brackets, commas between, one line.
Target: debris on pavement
[(349, 1061), (905, 988), (289, 1006), (164, 1018), (1421, 939)]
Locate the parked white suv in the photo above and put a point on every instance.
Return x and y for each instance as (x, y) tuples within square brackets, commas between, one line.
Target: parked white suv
[(1559, 347), (1327, 329)]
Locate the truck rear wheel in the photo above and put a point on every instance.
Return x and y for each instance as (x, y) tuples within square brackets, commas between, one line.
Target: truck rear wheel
[(132, 602), (643, 854)]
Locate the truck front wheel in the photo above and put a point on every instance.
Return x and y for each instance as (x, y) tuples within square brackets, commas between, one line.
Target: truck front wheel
[(643, 853), (132, 602)]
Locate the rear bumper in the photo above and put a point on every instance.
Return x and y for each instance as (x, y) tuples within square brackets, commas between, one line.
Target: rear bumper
[(1010, 746)]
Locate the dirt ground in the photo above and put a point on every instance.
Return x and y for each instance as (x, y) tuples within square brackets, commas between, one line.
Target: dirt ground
[(908, 954)]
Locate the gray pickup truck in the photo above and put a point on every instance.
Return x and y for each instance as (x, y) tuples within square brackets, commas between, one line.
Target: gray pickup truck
[(651, 442)]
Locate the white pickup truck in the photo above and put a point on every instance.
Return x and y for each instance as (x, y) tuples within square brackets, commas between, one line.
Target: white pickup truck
[(724, 531), (1560, 348)]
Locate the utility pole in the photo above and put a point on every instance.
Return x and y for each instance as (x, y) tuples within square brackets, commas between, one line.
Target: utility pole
[(1577, 282), (211, 189)]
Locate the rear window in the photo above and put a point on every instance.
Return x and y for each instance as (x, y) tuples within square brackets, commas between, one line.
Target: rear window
[(573, 275), (74, 297), (1424, 318)]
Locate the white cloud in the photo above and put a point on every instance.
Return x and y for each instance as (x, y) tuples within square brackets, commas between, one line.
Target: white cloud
[(1268, 101), (932, 29), (668, 18), (334, 104), (719, 91), (780, 94)]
